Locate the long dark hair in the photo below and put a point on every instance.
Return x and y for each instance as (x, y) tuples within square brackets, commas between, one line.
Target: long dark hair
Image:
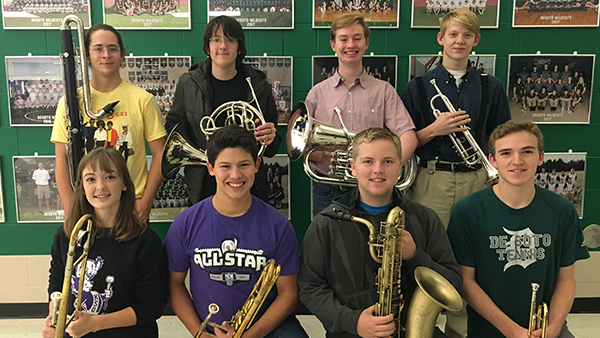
[(127, 224), (231, 29), (88, 37)]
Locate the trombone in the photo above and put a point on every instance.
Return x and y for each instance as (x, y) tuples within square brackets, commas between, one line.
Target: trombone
[(60, 300), (537, 320), (471, 155)]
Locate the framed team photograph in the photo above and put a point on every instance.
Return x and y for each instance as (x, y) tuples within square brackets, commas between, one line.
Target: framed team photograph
[(279, 71), (564, 173), (567, 13), (36, 193), (382, 67), (158, 75), (278, 176), (255, 14), (421, 64), (42, 14), (429, 13), (377, 13), (147, 14), (171, 198), (551, 88), (34, 86)]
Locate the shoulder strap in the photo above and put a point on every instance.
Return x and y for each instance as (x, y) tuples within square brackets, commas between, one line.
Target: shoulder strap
[(484, 102), (423, 98)]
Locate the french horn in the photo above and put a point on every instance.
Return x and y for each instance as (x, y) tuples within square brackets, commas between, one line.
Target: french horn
[(180, 149), (305, 135)]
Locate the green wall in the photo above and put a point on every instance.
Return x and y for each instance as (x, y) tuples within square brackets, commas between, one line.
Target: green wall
[(302, 42)]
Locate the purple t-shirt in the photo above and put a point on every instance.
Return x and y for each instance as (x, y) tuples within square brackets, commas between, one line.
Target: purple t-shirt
[(226, 255)]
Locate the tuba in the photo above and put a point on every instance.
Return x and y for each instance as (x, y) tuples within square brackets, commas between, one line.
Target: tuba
[(305, 135), (537, 320), (244, 317), (471, 155), (76, 146), (60, 300), (179, 148), (433, 294)]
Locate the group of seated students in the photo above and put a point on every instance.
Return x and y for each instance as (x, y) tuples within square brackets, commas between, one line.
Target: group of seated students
[(538, 89), (251, 5), (489, 243), (47, 6), (362, 6), (442, 7), (564, 184), (33, 94), (558, 5), (139, 7)]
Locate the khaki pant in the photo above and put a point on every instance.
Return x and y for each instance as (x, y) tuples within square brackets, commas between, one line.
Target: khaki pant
[(440, 190)]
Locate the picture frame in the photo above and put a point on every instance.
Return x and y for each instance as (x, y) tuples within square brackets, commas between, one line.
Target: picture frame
[(158, 75), (370, 62), (576, 13), (255, 14), (20, 15), (386, 16), (36, 203), (419, 64), (570, 107), (280, 73), (157, 14), (31, 79), (564, 166), (429, 13), (278, 178), (171, 198)]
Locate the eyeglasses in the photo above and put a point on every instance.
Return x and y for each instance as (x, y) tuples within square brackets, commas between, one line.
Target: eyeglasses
[(100, 49), (217, 40)]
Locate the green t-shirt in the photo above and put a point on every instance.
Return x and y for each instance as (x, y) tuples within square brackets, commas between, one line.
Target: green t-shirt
[(510, 249)]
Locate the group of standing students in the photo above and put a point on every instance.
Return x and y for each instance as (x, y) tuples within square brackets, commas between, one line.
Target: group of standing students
[(495, 246)]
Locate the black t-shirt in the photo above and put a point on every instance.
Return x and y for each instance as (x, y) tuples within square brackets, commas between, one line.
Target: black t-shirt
[(234, 89)]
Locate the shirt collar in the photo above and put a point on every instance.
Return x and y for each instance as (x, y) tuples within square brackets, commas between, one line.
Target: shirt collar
[(363, 79)]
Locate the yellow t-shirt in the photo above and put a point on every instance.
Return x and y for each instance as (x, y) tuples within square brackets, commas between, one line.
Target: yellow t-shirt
[(137, 111)]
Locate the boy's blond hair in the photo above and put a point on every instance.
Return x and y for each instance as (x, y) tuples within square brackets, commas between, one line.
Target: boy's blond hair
[(372, 134), (348, 20), (464, 17)]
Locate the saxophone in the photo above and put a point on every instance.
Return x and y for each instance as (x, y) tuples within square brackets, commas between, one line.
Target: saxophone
[(434, 291)]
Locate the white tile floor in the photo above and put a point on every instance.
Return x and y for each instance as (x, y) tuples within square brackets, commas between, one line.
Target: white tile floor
[(581, 325)]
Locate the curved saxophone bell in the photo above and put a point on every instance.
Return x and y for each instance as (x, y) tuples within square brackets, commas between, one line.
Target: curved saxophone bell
[(305, 135), (471, 155), (244, 317), (61, 299), (433, 294)]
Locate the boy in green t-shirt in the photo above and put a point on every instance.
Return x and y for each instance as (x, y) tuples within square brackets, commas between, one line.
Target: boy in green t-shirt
[(513, 234)]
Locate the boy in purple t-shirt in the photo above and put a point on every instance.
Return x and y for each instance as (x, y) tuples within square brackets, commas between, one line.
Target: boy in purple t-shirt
[(225, 241)]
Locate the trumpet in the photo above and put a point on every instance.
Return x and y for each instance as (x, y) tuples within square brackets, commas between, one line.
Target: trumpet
[(76, 148), (537, 320), (434, 291), (244, 317), (471, 155), (304, 135), (60, 300)]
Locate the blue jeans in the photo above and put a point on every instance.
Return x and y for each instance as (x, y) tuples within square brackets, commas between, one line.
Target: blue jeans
[(289, 328), (323, 194)]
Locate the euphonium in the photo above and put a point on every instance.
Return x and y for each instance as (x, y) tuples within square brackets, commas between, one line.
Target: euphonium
[(433, 294), (61, 299), (471, 155), (304, 135), (244, 317), (179, 148), (76, 146), (537, 320)]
